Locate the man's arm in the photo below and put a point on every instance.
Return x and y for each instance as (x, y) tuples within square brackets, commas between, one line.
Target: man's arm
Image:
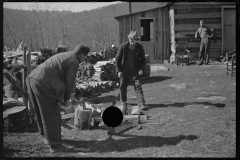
[(70, 78), (196, 33), (211, 32), (143, 58), (119, 59)]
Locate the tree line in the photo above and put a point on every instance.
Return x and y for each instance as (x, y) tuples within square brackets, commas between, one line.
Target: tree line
[(41, 28)]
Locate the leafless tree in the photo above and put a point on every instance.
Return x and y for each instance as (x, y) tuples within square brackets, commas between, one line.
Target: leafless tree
[(13, 35)]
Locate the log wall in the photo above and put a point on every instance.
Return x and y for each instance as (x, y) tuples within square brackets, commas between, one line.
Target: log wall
[(187, 17)]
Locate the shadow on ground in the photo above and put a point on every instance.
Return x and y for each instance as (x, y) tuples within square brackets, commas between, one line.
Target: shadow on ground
[(151, 106), (155, 79), (32, 128), (130, 143), (9, 152)]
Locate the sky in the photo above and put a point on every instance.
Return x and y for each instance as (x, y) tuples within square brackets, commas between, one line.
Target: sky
[(61, 6)]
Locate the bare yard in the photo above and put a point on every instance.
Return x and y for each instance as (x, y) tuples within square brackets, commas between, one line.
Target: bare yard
[(195, 107)]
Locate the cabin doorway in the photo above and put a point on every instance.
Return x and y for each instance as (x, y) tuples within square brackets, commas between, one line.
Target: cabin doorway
[(147, 36)]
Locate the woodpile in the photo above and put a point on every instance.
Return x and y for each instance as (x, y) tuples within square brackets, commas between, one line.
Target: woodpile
[(108, 72), (85, 73), (111, 53), (88, 89), (94, 57)]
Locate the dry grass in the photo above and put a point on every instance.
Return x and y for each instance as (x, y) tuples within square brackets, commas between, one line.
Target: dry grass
[(188, 127)]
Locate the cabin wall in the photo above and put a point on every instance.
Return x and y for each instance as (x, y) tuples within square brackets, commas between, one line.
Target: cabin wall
[(187, 18), (160, 45)]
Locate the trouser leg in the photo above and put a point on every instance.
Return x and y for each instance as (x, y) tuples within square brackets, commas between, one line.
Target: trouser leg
[(138, 89), (47, 111), (201, 52), (123, 87), (206, 58), (35, 108)]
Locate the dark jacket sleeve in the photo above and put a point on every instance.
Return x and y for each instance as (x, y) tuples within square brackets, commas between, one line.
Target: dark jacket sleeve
[(143, 58), (118, 59), (70, 78)]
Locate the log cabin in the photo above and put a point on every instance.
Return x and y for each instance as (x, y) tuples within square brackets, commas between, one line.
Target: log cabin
[(161, 28)]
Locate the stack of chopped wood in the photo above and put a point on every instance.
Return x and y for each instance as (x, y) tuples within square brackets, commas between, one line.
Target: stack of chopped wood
[(94, 57), (89, 89), (85, 73), (108, 72), (97, 68)]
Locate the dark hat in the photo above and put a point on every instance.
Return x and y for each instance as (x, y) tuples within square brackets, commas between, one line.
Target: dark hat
[(133, 35)]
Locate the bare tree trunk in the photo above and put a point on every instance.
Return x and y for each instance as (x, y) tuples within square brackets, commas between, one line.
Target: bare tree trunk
[(14, 38)]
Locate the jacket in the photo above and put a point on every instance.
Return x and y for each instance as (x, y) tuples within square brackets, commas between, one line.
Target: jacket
[(58, 73), (122, 55)]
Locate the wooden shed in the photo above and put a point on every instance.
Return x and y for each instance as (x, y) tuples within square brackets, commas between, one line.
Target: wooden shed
[(162, 27), (153, 26)]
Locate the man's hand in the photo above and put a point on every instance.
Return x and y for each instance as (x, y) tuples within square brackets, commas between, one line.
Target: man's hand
[(195, 36), (140, 72), (120, 74), (66, 103)]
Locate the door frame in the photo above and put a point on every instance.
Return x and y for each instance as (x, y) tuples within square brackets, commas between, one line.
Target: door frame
[(222, 9), (154, 35)]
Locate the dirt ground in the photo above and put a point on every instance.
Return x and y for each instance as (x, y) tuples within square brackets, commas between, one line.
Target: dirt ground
[(195, 107)]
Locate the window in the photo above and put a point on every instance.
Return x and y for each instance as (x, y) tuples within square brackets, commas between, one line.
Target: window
[(147, 31)]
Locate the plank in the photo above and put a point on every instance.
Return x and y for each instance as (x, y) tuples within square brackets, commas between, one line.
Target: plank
[(189, 5), (216, 20), (194, 27), (125, 125), (67, 116), (182, 35), (150, 13), (198, 10), (200, 15)]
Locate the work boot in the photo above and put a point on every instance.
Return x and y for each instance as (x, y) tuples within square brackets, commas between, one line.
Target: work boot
[(59, 148), (142, 107), (124, 108)]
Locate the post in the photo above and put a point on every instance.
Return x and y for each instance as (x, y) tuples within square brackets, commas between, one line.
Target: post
[(172, 34), (28, 63), (24, 75), (29, 102), (130, 11)]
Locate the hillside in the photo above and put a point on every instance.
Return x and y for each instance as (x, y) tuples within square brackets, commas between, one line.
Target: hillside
[(42, 28)]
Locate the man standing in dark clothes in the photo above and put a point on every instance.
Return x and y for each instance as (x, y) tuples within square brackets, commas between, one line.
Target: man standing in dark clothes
[(205, 33), (130, 64), (50, 83)]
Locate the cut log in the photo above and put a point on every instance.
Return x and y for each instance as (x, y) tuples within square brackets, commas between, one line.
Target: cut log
[(82, 119), (67, 116), (15, 84), (125, 125), (131, 110), (131, 118)]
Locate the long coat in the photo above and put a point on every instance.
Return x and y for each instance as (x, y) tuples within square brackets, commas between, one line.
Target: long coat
[(121, 56), (58, 73)]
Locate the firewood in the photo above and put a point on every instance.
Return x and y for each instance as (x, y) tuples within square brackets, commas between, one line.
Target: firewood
[(115, 130), (82, 119), (15, 84), (67, 116)]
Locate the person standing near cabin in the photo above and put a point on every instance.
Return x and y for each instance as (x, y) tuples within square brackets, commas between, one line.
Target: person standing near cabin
[(130, 63), (49, 84), (206, 34)]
